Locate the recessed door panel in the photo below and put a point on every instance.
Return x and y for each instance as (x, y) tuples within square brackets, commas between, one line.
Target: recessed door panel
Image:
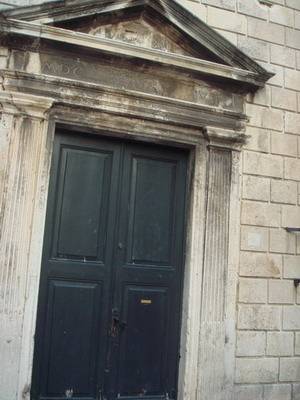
[(151, 210), (142, 351), (72, 338), (82, 204)]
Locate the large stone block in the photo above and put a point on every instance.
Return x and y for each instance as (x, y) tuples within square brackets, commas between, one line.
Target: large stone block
[(285, 192), (280, 343), (277, 392), (293, 4), (292, 123), (262, 214), (285, 99), (289, 369), (259, 139), (264, 117), (253, 290), (252, 8), (227, 20), (292, 169), (254, 238), (259, 317), (293, 38), (292, 78), (224, 4), (291, 267), (263, 164), (296, 391), (260, 370), (256, 188), (282, 15), (291, 318), (265, 31), (260, 265), (251, 343), (282, 55), (282, 242), (281, 292), (290, 216), (255, 48), (248, 392)]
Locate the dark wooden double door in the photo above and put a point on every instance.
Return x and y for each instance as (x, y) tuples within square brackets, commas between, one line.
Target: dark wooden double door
[(111, 281)]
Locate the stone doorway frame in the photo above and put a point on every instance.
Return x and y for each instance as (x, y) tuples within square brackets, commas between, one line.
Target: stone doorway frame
[(206, 369)]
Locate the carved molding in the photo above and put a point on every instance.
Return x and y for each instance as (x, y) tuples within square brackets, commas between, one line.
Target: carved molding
[(215, 272), (215, 124), (25, 104), (172, 10), (99, 44)]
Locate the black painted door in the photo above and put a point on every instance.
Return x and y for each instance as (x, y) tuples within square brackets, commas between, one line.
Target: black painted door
[(111, 281)]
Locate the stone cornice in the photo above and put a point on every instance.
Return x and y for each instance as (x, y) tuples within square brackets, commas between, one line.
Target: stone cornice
[(98, 44), (227, 125), (25, 104), (172, 10)]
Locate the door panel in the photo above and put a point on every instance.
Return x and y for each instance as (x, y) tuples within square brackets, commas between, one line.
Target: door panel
[(75, 287), (72, 330), (151, 211), (142, 357), (149, 267), (111, 280), (82, 204)]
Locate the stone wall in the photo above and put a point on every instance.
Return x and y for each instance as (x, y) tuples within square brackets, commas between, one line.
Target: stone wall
[(268, 322)]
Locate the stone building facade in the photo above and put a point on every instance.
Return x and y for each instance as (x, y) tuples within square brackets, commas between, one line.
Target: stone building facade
[(261, 356)]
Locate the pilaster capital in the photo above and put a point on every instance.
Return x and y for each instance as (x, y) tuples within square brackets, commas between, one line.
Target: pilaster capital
[(25, 104), (225, 138)]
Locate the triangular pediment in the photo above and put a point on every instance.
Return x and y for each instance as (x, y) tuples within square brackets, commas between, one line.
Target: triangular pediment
[(163, 26), (143, 27)]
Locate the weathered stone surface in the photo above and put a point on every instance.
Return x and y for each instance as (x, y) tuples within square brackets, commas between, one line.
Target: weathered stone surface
[(282, 242), (259, 317), (251, 8), (277, 392), (264, 117), (260, 265), (282, 55), (254, 238), (285, 99), (253, 290), (291, 318), (256, 188), (257, 49), (292, 123), (263, 164), (256, 213), (226, 20), (290, 216), (259, 139), (251, 343), (282, 15), (289, 369), (281, 292), (291, 267), (280, 343), (267, 32), (258, 370), (284, 192), (244, 392)]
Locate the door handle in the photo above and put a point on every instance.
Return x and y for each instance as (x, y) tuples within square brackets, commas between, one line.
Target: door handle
[(116, 324)]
